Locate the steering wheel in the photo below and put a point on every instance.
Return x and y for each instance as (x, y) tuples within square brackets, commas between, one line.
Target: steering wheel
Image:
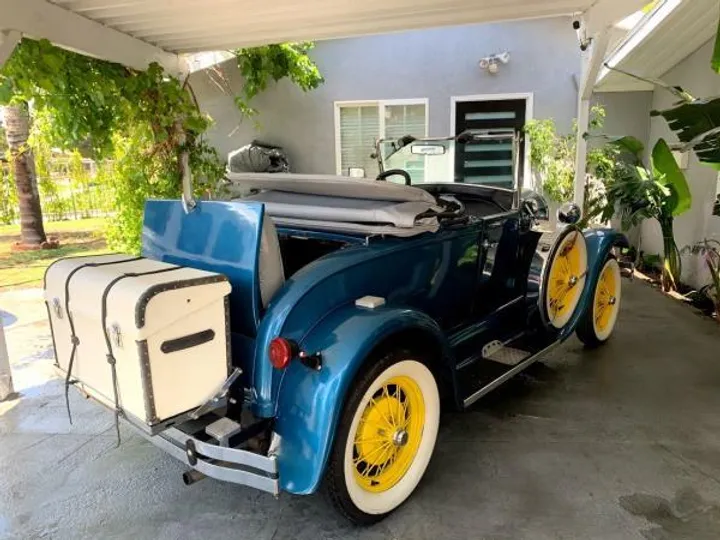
[(385, 174)]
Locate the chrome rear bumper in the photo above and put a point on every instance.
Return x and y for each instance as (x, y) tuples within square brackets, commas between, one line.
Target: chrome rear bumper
[(219, 462)]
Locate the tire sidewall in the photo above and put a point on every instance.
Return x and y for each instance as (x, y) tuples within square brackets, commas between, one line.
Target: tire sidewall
[(358, 505), (605, 335), (544, 299)]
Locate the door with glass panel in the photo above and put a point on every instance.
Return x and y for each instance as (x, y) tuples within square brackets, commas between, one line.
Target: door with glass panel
[(489, 162)]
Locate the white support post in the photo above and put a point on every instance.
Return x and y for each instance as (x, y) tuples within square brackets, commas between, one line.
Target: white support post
[(6, 382), (597, 22), (8, 40), (583, 120), (592, 62)]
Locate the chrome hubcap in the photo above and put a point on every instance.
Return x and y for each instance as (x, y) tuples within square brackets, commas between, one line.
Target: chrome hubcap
[(400, 437), (572, 281), (612, 300)]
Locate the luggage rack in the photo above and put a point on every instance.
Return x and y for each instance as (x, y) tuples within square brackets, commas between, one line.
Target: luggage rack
[(208, 441), (209, 446)]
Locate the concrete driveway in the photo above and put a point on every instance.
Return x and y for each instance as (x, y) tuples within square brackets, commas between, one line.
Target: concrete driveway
[(618, 443)]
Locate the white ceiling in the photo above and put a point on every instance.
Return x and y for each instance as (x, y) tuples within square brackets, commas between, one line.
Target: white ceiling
[(690, 25), (183, 26)]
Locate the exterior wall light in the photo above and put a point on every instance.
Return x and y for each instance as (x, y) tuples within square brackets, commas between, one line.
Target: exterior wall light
[(491, 63)]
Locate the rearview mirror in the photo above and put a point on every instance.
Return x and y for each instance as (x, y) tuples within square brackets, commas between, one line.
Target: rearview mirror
[(428, 149)]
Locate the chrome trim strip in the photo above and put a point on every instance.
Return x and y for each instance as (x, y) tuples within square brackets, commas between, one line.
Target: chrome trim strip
[(224, 453), (221, 463), (508, 375)]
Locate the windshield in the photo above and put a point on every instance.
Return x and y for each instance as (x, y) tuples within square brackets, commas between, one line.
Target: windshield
[(485, 161)]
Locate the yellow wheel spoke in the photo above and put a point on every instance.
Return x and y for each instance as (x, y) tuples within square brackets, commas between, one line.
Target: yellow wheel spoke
[(379, 410), (381, 454), (372, 452), (371, 440), (390, 407)]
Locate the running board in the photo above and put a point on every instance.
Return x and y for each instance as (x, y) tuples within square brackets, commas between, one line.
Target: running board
[(508, 375), (499, 352)]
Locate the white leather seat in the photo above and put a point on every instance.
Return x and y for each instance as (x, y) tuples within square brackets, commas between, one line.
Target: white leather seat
[(270, 264)]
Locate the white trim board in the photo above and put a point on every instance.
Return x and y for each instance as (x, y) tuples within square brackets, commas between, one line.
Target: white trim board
[(372, 103), (529, 102)]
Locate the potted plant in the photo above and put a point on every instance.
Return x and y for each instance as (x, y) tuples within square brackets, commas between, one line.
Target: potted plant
[(709, 250)]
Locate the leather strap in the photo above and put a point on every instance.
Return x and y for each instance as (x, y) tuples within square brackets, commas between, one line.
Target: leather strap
[(109, 356), (74, 340)]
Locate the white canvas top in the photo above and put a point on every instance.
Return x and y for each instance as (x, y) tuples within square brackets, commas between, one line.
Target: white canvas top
[(342, 209), (328, 185)]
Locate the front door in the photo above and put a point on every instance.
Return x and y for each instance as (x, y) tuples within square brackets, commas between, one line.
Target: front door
[(489, 162)]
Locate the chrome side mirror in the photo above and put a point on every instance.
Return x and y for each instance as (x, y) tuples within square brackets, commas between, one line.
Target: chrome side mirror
[(569, 213)]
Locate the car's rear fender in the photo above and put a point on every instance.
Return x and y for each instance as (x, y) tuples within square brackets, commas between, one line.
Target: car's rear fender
[(599, 243), (310, 402)]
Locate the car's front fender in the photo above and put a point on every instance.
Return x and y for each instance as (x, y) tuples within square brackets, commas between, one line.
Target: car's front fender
[(599, 243), (310, 402)]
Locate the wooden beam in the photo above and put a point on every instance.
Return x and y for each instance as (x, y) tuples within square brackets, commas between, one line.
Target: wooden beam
[(41, 19)]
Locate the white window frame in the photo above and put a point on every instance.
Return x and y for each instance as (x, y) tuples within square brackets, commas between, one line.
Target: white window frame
[(381, 104), (527, 96)]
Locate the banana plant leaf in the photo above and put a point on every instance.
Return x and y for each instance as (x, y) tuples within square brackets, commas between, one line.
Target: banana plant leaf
[(626, 143), (669, 174), (715, 62), (696, 123)]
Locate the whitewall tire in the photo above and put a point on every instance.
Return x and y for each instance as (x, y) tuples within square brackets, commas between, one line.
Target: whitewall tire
[(385, 438), (598, 322)]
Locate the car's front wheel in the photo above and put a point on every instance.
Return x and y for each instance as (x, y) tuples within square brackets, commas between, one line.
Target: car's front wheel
[(385, 438), (598, 322)]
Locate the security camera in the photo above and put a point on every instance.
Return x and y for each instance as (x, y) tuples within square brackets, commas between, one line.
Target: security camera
[(576, 24)]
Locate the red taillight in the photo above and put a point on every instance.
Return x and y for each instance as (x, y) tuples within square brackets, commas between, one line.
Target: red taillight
[(281, 351)]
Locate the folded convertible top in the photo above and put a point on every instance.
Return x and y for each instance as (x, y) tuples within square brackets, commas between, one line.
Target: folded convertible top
[(327, 185)]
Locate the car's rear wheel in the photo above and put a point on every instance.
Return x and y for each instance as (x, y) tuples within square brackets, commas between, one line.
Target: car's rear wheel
[(597, 323), (385, 438)]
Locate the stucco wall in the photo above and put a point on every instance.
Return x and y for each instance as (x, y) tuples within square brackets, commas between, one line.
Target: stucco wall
[(434, 64), (627, 113), (693, 74)]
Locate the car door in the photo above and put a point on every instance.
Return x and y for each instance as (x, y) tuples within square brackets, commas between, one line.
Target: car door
[(497, 283)]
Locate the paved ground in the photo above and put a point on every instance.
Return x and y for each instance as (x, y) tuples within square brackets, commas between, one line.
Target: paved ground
[(620, 443)]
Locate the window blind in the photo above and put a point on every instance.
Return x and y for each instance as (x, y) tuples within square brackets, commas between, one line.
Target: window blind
[(361, 125), (359, 128)]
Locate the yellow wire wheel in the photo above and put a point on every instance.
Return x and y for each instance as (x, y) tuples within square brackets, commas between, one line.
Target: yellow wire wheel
[(566, 274), (606, 301), (598, 322), (388, 435), (390, 427)]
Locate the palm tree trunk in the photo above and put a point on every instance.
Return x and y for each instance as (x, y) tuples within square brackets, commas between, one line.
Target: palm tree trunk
[(17, 131), (672, 264)]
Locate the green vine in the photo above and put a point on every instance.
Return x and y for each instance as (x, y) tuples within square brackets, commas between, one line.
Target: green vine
[(136, 124), (128, 116), (260, 65)]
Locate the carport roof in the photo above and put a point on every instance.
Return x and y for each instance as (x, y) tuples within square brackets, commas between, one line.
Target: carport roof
[(135, 32), (668, 34)]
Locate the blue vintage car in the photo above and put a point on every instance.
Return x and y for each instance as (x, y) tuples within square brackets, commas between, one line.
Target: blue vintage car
[(359, 308)]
